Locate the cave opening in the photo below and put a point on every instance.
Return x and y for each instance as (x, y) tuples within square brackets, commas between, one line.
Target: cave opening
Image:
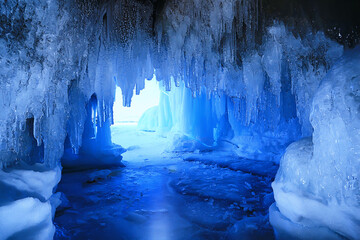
[(187, 173), (146, 99), (135, 127)]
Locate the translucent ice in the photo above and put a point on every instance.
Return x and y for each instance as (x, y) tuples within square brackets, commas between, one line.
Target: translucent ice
[(317, 183)]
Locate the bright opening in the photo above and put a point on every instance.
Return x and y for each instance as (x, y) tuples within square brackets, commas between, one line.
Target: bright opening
[(148, 97), (128, 130)]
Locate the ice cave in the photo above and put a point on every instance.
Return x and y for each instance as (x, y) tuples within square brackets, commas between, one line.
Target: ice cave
[(179, 119)]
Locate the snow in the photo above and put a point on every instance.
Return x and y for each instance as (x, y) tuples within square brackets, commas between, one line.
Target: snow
[(141, 146), (34, 182), (286, 229), (27, 218), (27, 203)]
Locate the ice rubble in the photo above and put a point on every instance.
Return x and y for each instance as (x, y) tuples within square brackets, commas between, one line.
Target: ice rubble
[(317, 184)]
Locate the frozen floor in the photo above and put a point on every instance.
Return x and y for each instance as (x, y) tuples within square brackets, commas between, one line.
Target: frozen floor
[(159, 196)]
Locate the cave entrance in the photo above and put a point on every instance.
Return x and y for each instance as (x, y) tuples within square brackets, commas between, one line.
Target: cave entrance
[(135, 127), (148, 98), (174, 185)]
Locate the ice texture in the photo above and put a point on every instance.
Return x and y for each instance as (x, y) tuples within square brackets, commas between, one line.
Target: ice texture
[(317, 183), (52, 71), (48, 62), (43, 81), (236, 82), (265, 100)]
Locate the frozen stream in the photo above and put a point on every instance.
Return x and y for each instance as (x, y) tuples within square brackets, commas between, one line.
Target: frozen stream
[(158, 195)]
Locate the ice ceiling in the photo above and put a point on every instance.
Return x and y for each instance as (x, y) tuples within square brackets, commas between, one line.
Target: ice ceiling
[(288, 70)]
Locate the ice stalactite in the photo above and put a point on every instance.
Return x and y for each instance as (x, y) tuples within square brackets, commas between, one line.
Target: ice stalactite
[(216, 45), (265, 97), (219, 46), (198, 40), (48, 63)]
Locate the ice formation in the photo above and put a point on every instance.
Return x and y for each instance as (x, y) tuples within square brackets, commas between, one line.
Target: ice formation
[(317, 183), (238, 73)]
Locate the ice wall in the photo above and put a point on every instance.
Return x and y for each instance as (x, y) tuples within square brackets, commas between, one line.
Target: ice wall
[(90, 46), (221, 49), (317, 186), (46, 47), (216, 44), (54, 57), (48, 58)]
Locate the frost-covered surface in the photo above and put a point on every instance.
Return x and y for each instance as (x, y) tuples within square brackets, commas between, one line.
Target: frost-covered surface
[(318, 183), (57, 55), (47, 49), (43, 54), (272, 82)]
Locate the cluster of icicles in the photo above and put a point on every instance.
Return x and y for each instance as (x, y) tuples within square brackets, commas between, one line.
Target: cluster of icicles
[(97, 46)]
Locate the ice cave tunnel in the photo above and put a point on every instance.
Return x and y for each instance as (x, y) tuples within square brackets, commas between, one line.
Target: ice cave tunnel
[(179, 119)]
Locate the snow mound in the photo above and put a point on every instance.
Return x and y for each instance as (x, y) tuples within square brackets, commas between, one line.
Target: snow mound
[(34, 182), (149, 120), (27, 218), (27, 204)]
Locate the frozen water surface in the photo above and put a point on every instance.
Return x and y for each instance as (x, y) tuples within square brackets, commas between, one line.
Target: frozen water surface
[(158, 195)]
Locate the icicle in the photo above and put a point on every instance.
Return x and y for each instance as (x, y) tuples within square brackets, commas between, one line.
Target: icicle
[(37, 131)]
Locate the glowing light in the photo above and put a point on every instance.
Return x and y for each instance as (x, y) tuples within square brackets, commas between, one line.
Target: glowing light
[(149, 97)]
